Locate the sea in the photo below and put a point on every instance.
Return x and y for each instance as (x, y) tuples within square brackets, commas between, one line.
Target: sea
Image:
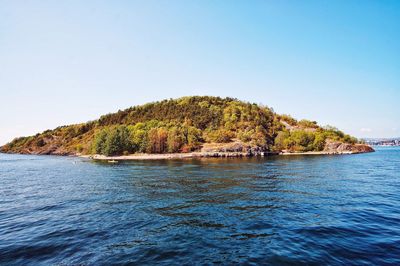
[(277, 210)]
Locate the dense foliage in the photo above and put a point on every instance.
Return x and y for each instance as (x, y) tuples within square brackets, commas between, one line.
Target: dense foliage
[(308, 136), (181, 125)]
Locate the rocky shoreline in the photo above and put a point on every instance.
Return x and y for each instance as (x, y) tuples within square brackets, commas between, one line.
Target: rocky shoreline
[(237, 150), (193, 155), (220, 150)]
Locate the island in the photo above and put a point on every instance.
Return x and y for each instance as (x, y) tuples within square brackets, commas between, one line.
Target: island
[(188, 127)]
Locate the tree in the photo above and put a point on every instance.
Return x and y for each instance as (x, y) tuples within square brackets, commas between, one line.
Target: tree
[(194, 136), (99, 141), (157, 140), (138, 136), (259, 137), (112, 145), (245, 135), (114, 141), (219, 136), (175, 139), (280, 140), (319, 141), (303, 140)]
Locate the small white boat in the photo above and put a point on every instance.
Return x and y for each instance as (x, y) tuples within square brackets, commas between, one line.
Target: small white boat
[(113, 161)]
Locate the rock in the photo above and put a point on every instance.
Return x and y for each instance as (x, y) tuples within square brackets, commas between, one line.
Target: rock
[(236, 148), (340, 147)]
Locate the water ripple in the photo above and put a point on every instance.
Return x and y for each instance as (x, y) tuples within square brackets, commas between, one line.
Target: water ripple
[(335, 210)]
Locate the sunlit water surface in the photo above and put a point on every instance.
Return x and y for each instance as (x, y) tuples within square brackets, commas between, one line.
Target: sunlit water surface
[(337, 210)]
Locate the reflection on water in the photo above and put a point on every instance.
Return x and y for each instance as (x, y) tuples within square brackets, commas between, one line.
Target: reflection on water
[(276, 210)]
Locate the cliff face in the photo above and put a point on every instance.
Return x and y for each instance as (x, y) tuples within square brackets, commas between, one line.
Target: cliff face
[(339, 147), (235, 147), (239, 148), (189, 124)]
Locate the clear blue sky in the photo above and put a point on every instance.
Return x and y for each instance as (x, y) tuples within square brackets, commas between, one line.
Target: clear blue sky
[(63, 62)]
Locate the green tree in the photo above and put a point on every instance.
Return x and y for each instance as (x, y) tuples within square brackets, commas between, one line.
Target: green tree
[(138, 135), (259, 137), (112, 145), (99, 141), (319, 141), (246, 134), (281, 140), (175, 139), (113, 141), (219, 136), (303, 140)]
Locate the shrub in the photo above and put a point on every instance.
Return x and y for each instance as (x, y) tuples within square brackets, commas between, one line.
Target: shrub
[(281, 140), (219, 136), (308, 124), (79, 148), (246, 135), (40, 142), (288, 119), (319, 141)]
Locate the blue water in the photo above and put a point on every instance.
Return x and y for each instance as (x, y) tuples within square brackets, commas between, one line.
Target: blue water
[(336, 210)]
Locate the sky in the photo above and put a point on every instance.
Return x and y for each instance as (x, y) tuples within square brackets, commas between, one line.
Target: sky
[(65, 62)]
